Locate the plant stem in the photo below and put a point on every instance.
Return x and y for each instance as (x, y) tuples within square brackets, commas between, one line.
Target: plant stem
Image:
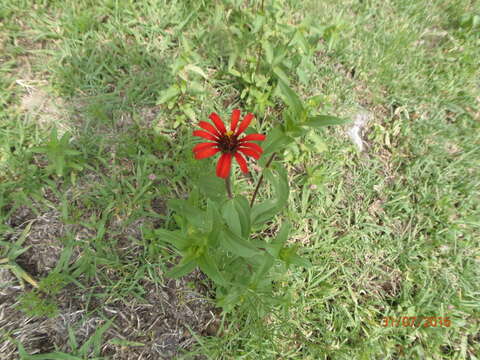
[(261, 180), (228, 185)]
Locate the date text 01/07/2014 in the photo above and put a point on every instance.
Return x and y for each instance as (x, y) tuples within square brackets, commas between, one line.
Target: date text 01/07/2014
[(416, 321)]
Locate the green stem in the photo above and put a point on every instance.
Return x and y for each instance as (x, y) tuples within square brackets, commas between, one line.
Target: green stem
[(228, 185), (261, 180)]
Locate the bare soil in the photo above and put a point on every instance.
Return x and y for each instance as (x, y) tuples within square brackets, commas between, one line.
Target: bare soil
[(156, 326)]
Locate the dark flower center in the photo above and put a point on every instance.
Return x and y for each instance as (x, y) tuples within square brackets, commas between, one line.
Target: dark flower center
[(228, 143)]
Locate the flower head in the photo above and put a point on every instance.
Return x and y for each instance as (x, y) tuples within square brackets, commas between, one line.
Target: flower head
[(228, 142)]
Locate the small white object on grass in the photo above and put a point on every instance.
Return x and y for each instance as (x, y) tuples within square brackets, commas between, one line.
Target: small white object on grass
[(355, 131)]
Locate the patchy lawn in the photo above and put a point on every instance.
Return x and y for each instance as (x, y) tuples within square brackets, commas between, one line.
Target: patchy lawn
[(386, 209)]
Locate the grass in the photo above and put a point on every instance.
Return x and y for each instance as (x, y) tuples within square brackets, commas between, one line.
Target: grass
[(391, 231)]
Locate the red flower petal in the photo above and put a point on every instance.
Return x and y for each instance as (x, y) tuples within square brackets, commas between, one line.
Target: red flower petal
[(205, 153), (224, 164), (241, 162), (244, 124), (218, 122), (252, 146), (202, 146), (250, 152), (253, 137), (209, 127), (204, 135), (235, 117)]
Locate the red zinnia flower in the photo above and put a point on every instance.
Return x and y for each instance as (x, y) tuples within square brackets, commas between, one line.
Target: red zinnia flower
[(227, 142)]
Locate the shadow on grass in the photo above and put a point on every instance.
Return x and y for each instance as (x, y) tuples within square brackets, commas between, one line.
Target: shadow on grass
[(107, 215)]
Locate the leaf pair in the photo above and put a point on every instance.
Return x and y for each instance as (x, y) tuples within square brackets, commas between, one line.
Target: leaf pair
[(301, 112), (266, 210), (236, 213)]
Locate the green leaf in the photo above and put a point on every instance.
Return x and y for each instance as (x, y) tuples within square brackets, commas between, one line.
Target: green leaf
[(195, 87), (267, 47), (280, 240), (263, 212), (300, 261), (168, 94), (236, 213), (324, 120), (231, 61), (243, 209), (275, 141), (197, 70), (281, 74), (178, 64), (258, 22), (208, 266), (269, 208), (291, 98), (215, 219), (280, 184), (181, 269), (316, 177), (237, 245), (192, 214), (267, 263), (174, 238), (280, 53), (290, 256), (231, 216), (188, 111), (232, 298), (234, 73), (210, 185), (318, 143), (300, 40), (292, 125)]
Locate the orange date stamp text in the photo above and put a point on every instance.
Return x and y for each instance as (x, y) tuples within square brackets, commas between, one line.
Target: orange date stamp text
[(416, 321)]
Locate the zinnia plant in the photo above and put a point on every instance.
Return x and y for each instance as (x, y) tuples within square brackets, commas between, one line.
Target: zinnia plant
[(215, 234)]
